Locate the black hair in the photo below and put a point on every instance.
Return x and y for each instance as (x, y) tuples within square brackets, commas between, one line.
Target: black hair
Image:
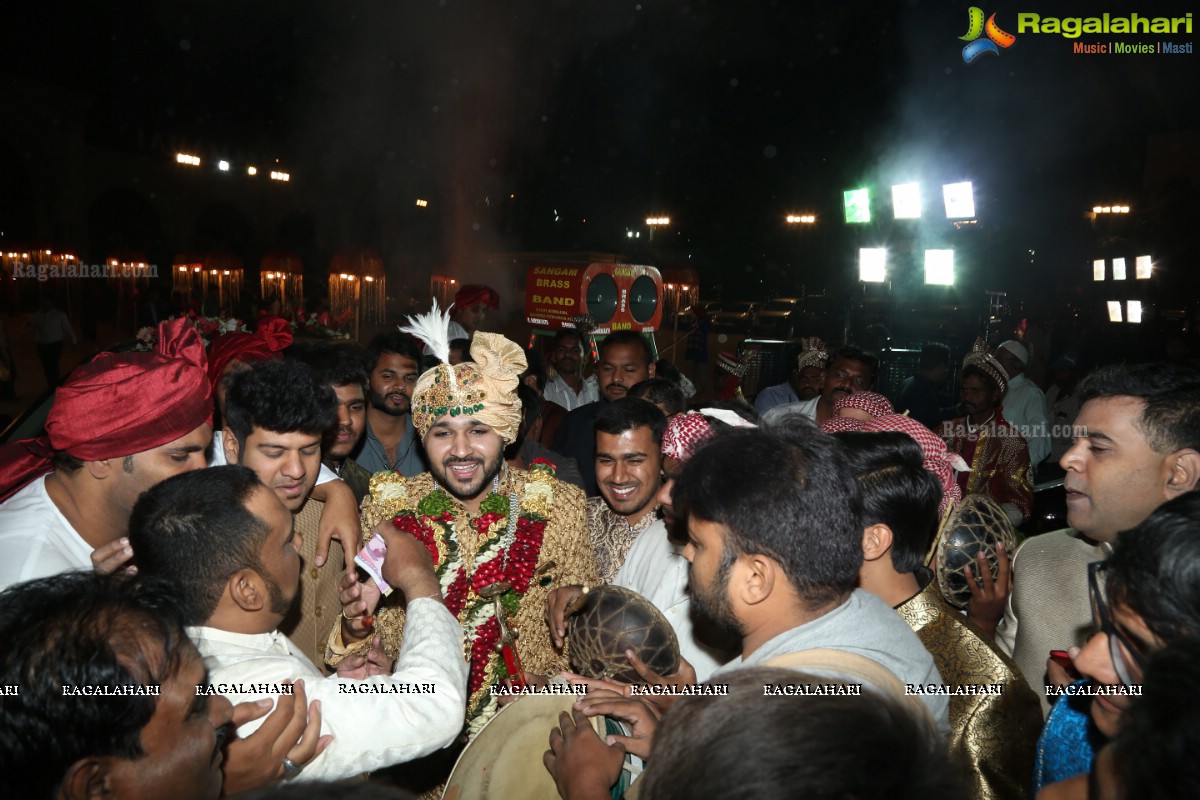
[(660, 391), (1154, 569), (628, 338), (629, 413), (283, 396), (978, 372), (897, 491), (335, 365), (195, 531), (746, 743), (392, 342), (1153, 751), (463, 346), (853, 353), (329, 790), (562, 334), (1171, 417), (933, 355), (786, 492), (80, 629), (531, 409)]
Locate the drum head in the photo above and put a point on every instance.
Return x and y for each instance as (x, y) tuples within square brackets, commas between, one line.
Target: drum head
[(505, 760)]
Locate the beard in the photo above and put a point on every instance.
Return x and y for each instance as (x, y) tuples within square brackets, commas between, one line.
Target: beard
[(713, 602), (489, 469), (380, 402), (281, 604)]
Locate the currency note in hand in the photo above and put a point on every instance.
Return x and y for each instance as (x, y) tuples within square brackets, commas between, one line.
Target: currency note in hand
[(371, 559)]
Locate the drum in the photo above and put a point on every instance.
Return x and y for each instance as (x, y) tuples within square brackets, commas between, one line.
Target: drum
[(978, 523), (609, 620), (504, 761)]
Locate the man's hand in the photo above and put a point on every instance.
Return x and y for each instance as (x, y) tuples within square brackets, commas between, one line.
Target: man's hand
[(531, 680), (1060, 676), (557, 603), (988, 597), (685, 675), (582, 765), (408, 566), (112, 556), (593, 684), (339, 520), (641, 717), (292, 731), (375, 662), (359, 601)]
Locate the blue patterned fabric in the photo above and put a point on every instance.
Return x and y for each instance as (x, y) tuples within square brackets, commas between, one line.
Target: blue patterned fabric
[(1068, 743)]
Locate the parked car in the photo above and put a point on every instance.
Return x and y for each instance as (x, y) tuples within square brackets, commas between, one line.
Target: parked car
[(778, 318), (735, 317)]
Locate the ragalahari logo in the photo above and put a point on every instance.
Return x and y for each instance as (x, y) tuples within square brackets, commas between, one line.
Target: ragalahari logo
[(995, 40)]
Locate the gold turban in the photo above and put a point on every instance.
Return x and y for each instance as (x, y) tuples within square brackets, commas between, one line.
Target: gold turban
[(485, 389), (985, 361)]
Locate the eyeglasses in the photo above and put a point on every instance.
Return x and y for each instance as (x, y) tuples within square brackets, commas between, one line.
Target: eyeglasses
[(1120, 649)]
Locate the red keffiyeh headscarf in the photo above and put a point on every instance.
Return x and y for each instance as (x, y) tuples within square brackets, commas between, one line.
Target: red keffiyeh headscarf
[(119, 404), (938, 459)]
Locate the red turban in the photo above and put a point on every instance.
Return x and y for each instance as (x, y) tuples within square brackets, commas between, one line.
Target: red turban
[(119, 404), (271, 337), (473, 294), (684, 432)]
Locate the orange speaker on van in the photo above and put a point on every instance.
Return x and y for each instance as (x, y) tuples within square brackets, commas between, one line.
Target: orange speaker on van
[(600, 297)]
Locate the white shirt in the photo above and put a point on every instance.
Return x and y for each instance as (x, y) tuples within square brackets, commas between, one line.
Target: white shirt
[(657, 570), (557, 391), (217, 459), (806, 407), (36, 541), (370, 731), (1025, 407)]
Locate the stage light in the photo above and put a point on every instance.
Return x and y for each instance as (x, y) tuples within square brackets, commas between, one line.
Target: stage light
[(1133, 311), (960, 200), (1118, 269), (280, 176), (1098, 269), (1143, 267), (906, 200), (422, 203), (223, 165), (1114, 311), (857, 203), (186, 158), (872, 264), (939, 267), (251, 171)]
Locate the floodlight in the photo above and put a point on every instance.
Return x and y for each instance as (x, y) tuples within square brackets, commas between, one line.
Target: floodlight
[(960, 200), (939, 267), (872, 265), (1114, 311), (1098, 269), (906, 200), (1118, 269), (1133, 310), (223, 165), (1143, 267), (857, 203)]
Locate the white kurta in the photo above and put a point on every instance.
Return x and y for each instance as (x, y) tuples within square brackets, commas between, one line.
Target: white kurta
[(657, 570), (370, 730), (36, 541)]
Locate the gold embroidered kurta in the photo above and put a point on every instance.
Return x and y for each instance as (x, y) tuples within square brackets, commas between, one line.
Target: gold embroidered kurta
[(612, 536), (565, 558), (996, 735), (317, 607), (1000, 463)]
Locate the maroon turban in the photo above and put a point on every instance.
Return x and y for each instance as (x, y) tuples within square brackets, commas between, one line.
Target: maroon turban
[(473, 294), (119, 404), (272, 336)]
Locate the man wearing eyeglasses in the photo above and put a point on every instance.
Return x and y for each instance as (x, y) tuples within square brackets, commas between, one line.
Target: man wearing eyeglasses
[(1136, 445), (393, 363), (1145, 597)]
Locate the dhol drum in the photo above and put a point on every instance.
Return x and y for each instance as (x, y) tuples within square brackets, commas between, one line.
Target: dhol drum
[(609, 620)]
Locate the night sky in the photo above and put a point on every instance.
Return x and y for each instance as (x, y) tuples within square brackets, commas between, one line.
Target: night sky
[(520, 120)]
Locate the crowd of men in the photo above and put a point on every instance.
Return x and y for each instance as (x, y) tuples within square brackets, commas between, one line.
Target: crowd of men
[(269, 562)]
